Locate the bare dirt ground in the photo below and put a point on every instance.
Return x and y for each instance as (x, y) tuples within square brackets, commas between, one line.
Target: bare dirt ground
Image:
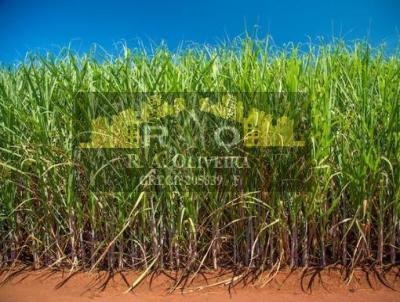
[(313, 285)]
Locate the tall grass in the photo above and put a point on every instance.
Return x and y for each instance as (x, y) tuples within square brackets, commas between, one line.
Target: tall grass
[(350, 215)]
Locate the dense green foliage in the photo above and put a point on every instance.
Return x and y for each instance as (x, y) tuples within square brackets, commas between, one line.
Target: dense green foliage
[(350, 215)]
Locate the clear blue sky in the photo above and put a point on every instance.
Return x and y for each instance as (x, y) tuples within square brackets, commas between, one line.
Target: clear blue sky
[(39, 24)]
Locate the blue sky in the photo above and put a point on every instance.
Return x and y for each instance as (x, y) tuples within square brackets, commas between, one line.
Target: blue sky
[(49, 25)]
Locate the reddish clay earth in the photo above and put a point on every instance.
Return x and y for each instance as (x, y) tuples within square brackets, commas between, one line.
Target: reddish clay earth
[(328, 285)]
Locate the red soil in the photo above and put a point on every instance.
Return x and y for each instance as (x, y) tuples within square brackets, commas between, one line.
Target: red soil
[(46, 286)]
